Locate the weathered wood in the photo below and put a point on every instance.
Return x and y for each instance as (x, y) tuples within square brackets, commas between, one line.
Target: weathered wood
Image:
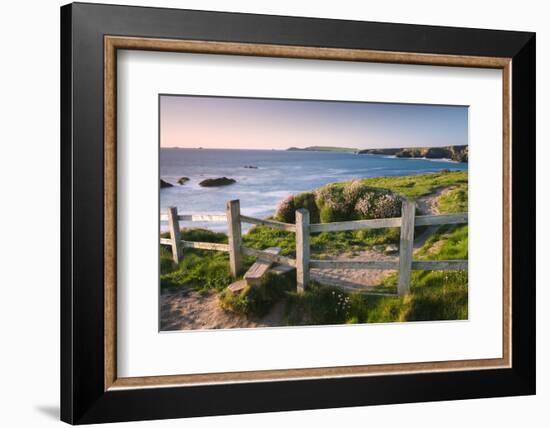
[(205, 246), (436, 220), (233, 210), (165, 241), (302, 249), (203, 217), (440, 264), (238, 286), (281, 269), (378, 223), (257, 271), (197, 217), (406, 247), (371, 290), (422, 220), (272, 257), (270, 223), (174, 227), (353, 264)]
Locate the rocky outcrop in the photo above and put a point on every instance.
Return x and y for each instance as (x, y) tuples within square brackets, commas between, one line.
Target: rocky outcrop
[(215, 182), (183, 180), (455, 153), (165, 184)]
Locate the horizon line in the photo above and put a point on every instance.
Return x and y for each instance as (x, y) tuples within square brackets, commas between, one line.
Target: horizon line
[(306, 147)]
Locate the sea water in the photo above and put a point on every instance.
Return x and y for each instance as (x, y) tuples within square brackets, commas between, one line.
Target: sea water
[(276, 175)]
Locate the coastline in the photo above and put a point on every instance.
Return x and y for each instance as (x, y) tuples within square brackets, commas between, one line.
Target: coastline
[(278, 175)]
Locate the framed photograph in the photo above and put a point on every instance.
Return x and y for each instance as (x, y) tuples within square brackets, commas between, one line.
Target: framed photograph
[(266, 213)]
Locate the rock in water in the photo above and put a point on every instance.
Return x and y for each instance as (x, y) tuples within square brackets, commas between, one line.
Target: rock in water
[(214, 182), (183, 180), (164, 184)]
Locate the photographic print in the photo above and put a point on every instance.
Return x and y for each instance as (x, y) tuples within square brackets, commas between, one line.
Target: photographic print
[(289, 212)]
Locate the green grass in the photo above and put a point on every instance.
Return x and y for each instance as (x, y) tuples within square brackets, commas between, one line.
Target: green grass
[(452, 242), (435, 295), (200, 270), (455, 200), (262, 237), (322, 244), (413, 186)]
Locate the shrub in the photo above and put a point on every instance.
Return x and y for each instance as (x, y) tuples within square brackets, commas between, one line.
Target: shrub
[(307, 200), (257, 300), (332, 204), (203, 235), (340, 202), (353, 191), (376, 204), (286, 210)]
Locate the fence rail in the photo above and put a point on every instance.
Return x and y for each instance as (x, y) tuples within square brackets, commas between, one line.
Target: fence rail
[(197, 217), (270, 223), (302, 229)]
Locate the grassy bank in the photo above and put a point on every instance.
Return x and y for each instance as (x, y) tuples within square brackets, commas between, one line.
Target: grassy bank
[(435, 295)]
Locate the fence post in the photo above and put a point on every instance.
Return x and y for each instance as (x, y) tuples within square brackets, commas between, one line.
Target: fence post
[(174, 225), (234, 234), (406, 247), (302, 249)]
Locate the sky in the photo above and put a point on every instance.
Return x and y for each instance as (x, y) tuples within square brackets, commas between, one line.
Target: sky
[(254, 123)]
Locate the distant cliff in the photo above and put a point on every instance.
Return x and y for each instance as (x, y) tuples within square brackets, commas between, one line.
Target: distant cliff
[(455, 153)]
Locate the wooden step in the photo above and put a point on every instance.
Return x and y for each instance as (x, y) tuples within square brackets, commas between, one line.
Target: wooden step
[(237, 286), (256, 272), (281, 269)]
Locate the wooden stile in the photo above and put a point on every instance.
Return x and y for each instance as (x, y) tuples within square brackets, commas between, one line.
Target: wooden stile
[(303, 229), (257, 271), (174, 227), (275, 258), (406, 247), (302, 249), (234, 236)]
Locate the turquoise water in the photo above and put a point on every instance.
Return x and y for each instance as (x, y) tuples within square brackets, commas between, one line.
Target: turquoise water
[(279, 174)]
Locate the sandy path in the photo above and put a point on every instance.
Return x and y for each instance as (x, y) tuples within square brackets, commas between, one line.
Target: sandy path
[(189, 310), (354, 279), (368, 279)]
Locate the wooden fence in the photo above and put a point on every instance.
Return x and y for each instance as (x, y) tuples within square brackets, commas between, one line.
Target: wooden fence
[(302, 229)]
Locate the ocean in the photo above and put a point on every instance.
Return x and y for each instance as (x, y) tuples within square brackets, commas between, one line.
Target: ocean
[(278, 175)]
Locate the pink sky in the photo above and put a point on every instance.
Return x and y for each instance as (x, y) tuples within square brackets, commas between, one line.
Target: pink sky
[(251, 123)]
